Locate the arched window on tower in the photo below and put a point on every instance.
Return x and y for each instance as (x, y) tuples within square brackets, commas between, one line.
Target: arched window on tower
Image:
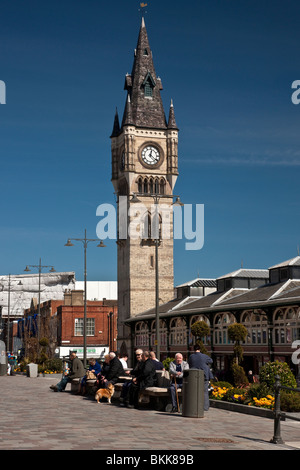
[(148, 84), (140, 185), (151, 185), (145, 185), (148, 89), (146, 226)]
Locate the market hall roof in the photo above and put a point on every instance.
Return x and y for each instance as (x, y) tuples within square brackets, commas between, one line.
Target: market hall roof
[(286, 292)]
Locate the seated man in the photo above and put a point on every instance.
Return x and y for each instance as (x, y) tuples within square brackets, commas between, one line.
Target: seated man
[(76, 371), (134, 373), (124, 359), (146, 378), (157, 364), (114, 371), (176, 373)]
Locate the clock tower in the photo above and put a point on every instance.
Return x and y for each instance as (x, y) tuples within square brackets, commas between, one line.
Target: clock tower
[(144, 166)]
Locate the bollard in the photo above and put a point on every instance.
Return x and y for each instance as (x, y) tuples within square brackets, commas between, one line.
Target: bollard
[(277, 414)]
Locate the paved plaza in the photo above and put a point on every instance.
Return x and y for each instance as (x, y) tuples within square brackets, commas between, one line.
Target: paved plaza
[(32, 417)]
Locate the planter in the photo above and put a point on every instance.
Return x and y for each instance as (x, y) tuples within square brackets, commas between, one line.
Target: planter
[(51, 376), (246, 409)]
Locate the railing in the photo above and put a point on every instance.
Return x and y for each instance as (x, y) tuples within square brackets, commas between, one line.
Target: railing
[(278, 414)]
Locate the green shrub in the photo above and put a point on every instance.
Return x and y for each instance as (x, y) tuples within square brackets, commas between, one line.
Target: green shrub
[(166, 362), (259, 391), (269, 371), (53, 365), (239, 376), (289, 401), (221, 383)]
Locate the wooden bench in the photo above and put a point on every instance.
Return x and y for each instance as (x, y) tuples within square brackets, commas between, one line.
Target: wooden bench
[(91, 389), (158, 397)]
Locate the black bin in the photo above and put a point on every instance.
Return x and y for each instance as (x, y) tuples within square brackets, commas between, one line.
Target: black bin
[(193, 393)]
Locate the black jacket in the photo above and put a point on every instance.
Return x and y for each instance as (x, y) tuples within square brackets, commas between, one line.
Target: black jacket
[(115, 370), (136, 371), (147, 377)]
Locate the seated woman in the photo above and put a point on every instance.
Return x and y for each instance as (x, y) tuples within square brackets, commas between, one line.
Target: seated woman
[(95, 368)]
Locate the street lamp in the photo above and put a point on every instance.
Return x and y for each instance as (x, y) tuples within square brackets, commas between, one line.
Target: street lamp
[(85, 242), (39, 267), (156, 198)]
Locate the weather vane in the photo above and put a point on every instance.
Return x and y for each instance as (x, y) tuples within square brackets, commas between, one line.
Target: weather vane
[(142, 8)]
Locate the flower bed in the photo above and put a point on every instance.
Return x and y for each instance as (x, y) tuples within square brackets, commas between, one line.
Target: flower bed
[(242, 396)]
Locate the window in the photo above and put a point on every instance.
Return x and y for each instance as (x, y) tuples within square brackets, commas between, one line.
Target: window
[(256, 324), (286, 326), (150, 185), (140, 185), (148, 84), (221, 323), (141, 335), (152, 261), (148, 89), (177, 332), (90, 327)]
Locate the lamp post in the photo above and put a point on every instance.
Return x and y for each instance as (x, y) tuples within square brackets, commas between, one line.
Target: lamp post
[(85, 242), (39, 267), (157, 238)]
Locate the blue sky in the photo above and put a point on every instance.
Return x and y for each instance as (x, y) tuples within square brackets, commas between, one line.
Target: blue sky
[(228, 65)]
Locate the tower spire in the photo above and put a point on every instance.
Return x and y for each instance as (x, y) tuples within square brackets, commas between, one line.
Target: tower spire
[(171, 122), (116, 127), (143, 86)]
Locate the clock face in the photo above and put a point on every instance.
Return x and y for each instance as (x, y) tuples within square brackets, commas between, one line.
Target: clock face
[(150, 155)]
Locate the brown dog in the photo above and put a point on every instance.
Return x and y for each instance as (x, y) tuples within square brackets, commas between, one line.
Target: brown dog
[(105, 392)]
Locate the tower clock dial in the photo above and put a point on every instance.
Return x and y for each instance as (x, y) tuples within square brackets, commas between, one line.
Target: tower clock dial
[(150, 155)]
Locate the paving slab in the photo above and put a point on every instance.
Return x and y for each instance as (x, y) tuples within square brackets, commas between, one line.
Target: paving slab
[(33, 417)]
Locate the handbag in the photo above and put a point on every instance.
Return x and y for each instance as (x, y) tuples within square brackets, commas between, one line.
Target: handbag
[(90, 375)]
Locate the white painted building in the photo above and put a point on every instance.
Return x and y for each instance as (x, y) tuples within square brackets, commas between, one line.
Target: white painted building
[(21, 289)]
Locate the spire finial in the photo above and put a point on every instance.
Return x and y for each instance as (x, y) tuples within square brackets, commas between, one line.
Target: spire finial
[(143, 11)]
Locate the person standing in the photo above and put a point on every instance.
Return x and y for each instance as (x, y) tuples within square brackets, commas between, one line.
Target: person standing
[(201, 361), (176, 373)]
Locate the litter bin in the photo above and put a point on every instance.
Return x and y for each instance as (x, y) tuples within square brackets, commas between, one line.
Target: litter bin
[(32, 370), (3, 365), (193, 393)]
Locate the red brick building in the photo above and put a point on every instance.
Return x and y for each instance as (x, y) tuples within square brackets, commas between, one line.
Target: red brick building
[(62, 323)]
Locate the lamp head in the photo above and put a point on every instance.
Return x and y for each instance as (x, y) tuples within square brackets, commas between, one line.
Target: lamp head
[(69, 243), (135, 199), (178, 202)]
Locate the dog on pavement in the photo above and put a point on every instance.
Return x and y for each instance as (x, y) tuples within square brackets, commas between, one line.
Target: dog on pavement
[(105, 392)]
